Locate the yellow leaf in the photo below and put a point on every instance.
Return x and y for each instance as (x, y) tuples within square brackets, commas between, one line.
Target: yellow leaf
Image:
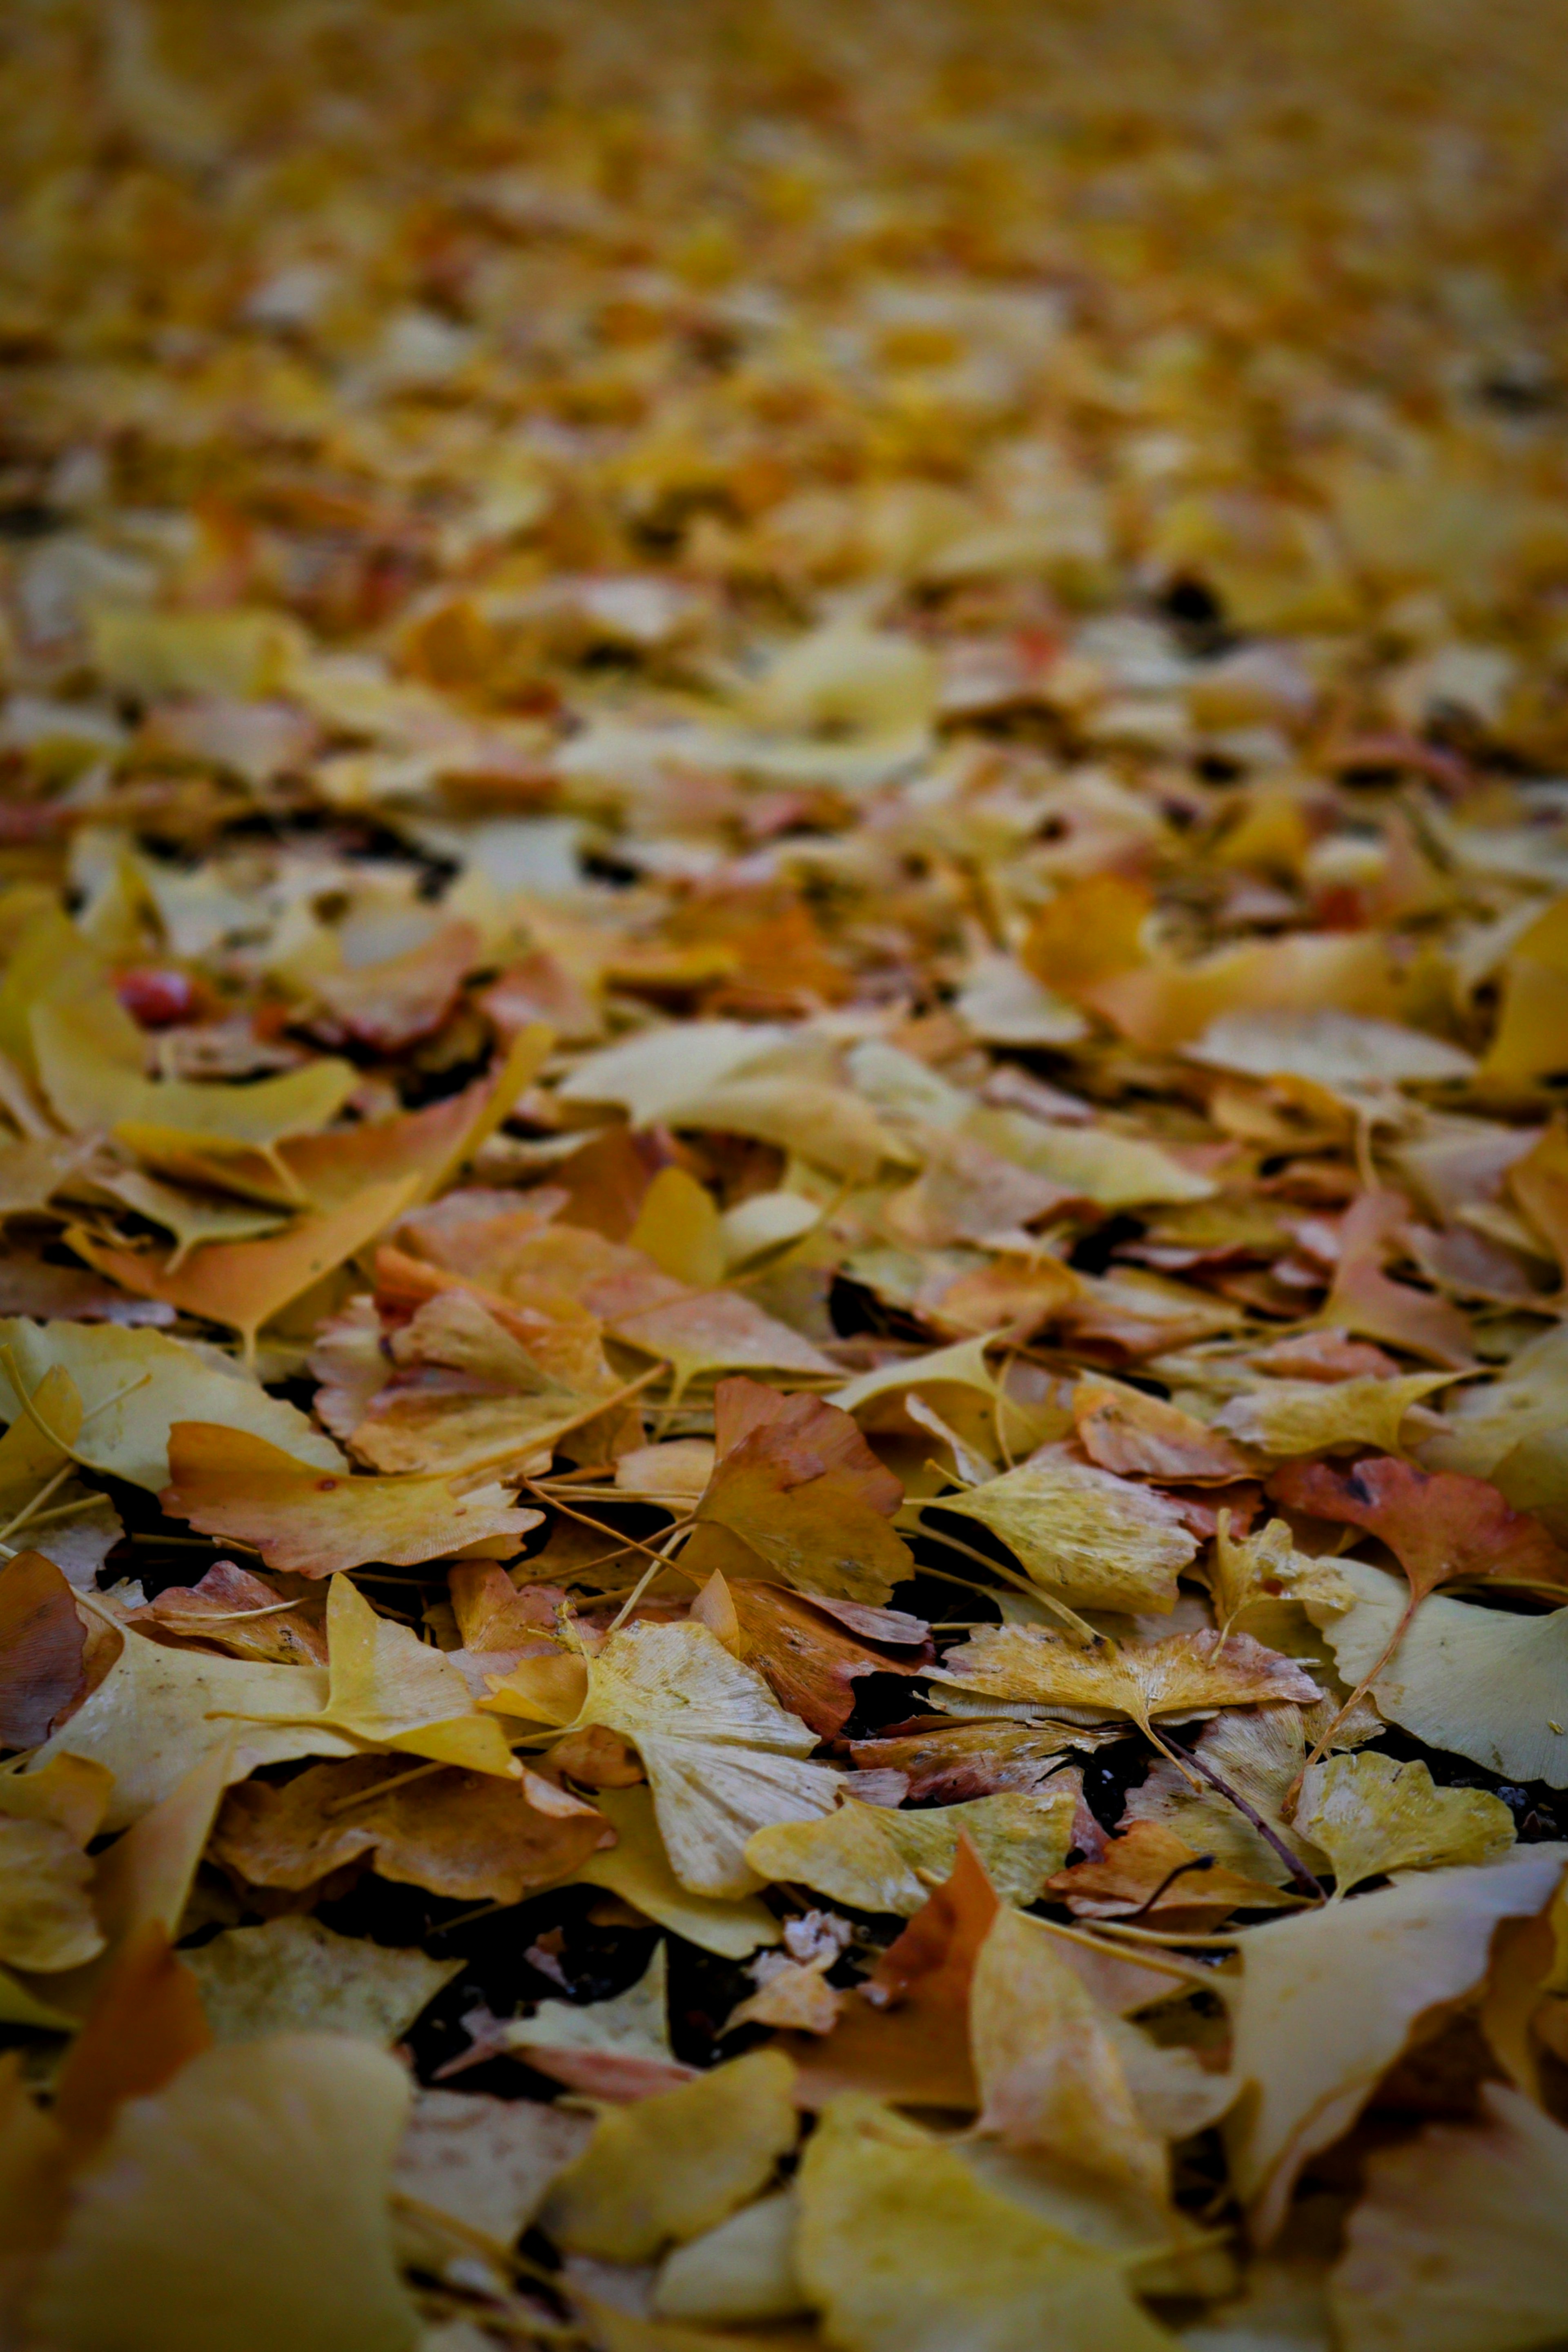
[(133, 1385), (722, 1756), (1287, 1417), (637, 1868), (1084, 1535), (314, 1522), (903, 2251), (246, 2203), (292, 1975), (1312, 2058), (1371, 1815), (243, 1284), (678, 1226), (1180, 1675), (676, 2165), (870, 1856)]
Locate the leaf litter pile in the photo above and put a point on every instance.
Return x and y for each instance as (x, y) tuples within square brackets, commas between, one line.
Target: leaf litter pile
[(784, 1510)]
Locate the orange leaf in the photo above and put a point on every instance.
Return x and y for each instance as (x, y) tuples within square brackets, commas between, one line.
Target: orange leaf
[(315, 1522), (243, 1284), (1443, 1527), (146, 2022), (905, 2038)]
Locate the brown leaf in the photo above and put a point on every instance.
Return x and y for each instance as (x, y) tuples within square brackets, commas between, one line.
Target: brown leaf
[(42, 1642), (1443, 1527), (465, 1834)]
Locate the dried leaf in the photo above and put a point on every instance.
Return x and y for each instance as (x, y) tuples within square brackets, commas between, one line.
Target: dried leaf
[(876, 1859), (41, 1645), (1085, 1537), (292, 1975), (1184, 1675), (1371, 1815), (312, 1522)]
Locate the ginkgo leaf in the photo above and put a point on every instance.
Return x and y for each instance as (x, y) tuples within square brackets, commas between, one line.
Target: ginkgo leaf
[(92, 1085), (246, 2202), (904, 2250), (134, 1384), (1442, 1528), (1483, 1683), (1252, 1567), (157, 1711), (627, 2036), (1126, 1431), (389, 1689), (315, 1522), (1183, 1674), (722, 1756), (41, 1647), (811, 1661), (797, 1484), (1340, 1050), (637, 1869), (1047, 2064), (1260, 1755), (1149, 1870), (677, 2165), (1312, 2058), (486, 2163), (1090, 1538), (1284, 1417), (1457, 2244), (946, 1762), (960, 1385), (243, 1284), (47, 1918), (648, 1075), (1485, 1421), (472, 1836), (292, 1975), (742, 2270), (870, 1856), (1371, 1815)]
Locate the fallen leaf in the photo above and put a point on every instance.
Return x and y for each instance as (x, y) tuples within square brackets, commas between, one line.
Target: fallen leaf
[(1312, 2058), (722, 1756), (1183, 1674), (1441, 1526), (796, 1483), (876, 1859), (946, 1762), (811, 1662), (475, 1837), (314, 1522), (676, 2165), (41, 1646), (1138, 1436), (637, 1868), (292, 1975), (248, 2194), (1480, 1681), (47, 1918), (1286, 1417), (1371, 1815), (905, 2252), (1457, 2242), (157, 1711), (1084, 1536), (1151, 1872), (135, 1384)]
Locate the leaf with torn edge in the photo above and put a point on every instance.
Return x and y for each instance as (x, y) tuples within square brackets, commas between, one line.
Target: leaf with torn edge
[(1185, 1673), (875, 1858), (315, 1522), (1285, 1417)]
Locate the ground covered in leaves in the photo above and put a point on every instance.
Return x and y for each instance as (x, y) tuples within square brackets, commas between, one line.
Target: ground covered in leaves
[(784, 911)]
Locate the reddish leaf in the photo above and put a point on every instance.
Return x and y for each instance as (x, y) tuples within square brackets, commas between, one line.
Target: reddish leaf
[(1443, 1528)]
